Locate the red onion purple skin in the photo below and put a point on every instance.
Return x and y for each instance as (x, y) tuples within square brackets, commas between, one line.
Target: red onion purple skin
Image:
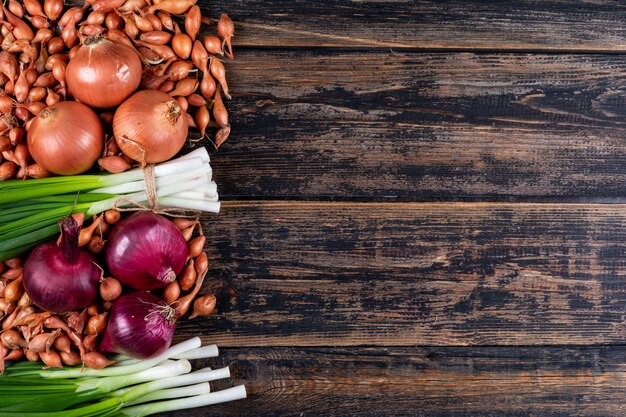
[(146, 251), (61, 278), (141, 325)]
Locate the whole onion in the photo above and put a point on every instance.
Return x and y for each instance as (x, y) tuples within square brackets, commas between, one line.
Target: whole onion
[(150, 126), (66, 138), (146, 251), (103, 73), (141, 325), (62, 277)]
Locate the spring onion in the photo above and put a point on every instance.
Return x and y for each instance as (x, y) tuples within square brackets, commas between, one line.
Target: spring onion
[(31, 209), (139, 388)]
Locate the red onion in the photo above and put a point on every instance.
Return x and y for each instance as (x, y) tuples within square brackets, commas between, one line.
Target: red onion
[(62, 277), (141, 325), (146, 251)]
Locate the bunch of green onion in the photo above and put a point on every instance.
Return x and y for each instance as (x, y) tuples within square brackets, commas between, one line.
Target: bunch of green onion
[(31, 209), (132, 388)]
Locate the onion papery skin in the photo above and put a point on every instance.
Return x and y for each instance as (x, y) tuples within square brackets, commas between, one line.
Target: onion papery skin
[(63, 277), (146, 251), (141, 325), (150, 126), (103, 73), (66, 138)]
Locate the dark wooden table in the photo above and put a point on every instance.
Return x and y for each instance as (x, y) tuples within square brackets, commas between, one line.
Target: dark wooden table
[(423, 209)]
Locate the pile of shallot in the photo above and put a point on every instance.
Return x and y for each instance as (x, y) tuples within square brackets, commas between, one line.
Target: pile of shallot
[(119, 82)]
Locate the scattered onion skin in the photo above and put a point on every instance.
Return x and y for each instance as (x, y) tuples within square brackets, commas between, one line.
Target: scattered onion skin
[(141, 325), (145, 251), (66, 138), (103, 73), (150, 127)]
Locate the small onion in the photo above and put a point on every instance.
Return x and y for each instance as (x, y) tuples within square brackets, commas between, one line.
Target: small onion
[(66, 138), (103, 73), (53, 8), (226, 28), (141, 325), (146, 251), (150, 127)]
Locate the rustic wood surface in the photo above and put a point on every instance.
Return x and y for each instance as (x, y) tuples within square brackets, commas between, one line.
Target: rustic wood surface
[(423, 209), (425, 126)]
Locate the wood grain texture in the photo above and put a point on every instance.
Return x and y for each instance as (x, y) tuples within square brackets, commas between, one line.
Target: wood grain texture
[(427, 126), (345, 274), (425, 382), (536, 25)]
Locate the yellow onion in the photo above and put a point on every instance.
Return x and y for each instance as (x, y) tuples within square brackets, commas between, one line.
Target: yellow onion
[(66, 138), (103, 73), (150, 126)]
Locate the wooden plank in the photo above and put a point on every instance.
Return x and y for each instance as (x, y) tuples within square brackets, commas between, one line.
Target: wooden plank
[(424, 126), (537, 25), (406, 274), (440, 382)]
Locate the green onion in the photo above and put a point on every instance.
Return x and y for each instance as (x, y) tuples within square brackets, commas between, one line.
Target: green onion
[(140, 388), (30, 210)]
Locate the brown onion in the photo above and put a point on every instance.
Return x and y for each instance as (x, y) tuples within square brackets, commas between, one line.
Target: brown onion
[(185, 87), (95, 18), (226, 29), (7, 171), (179, 70), (181, 44), (156, 37), (112, 216), (219, 72), (220, 114), (36, 171), (154, 21), (20, 30), (110, 289), (207, 86), (182, 102), (166, 20), (16, 8), (69, 34), (172, 6), (6, 103), (202, 119), (203, 306), (52, 98), (113, 21), (103, 73), (130, 28), (90, 30), (53, 8), (196, 100), (150, 127), (132, 6), (39, 22), (171, 292), (199, 56), (66, 139), (43, 35), (55, 45), (114, 164), (167, 86), (34, 8), (106, 5), (213, 45), (5, 144), (221, 135), (192, 22)]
